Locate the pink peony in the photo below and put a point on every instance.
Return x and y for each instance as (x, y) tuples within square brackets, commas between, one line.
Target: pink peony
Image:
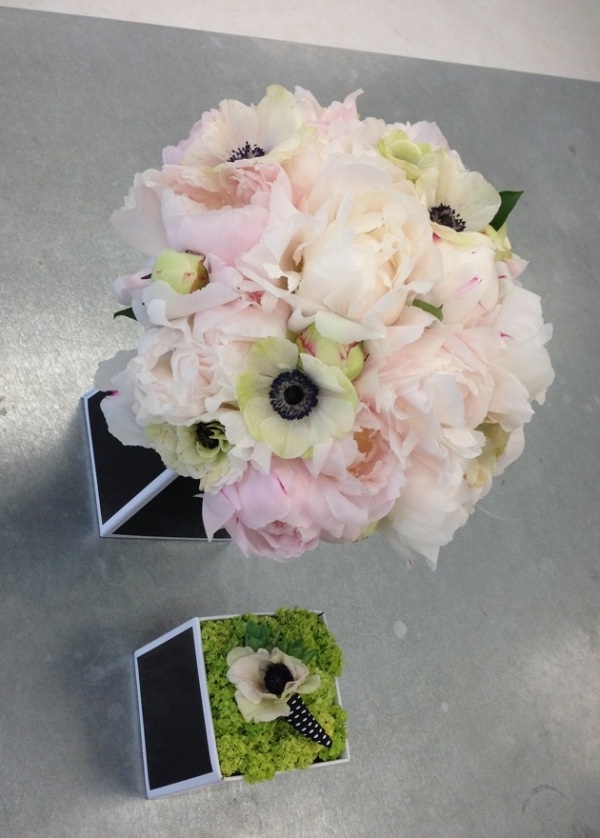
[(435, 502), (338, 496), (266, 514)]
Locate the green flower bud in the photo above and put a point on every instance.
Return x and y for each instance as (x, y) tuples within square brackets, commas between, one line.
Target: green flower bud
[(184, 272), (348, 357), (399, 149), (480, 470)]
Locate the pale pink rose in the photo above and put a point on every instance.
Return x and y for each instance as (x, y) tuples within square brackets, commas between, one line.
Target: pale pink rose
[(506, 399), (116, 378), (366, 493), (435, 502), (510, 340), (426, 386), (190, 368), (374, 236), (470, 287), (358, 248), (451, 378), (340, 142), (172, 379), (362, 466), (337, 118), (337, 136), (524, 358), (232, 186), (271, 264), (155, 217), (266, 514), (140, 220), (337, 496), (186, 368)]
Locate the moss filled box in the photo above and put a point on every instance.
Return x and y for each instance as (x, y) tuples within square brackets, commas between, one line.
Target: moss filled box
[(257, 750), (239, 696)]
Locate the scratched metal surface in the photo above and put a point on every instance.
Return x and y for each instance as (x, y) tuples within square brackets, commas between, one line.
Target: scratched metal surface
[(474, 691)]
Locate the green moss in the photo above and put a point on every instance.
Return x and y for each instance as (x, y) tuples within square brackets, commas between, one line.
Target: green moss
[(259, 750)]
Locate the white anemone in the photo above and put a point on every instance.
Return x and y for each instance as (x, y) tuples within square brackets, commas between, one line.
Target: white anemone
[(199, 451), (457, 201), (240, 132), (247, 670), (292, 401)]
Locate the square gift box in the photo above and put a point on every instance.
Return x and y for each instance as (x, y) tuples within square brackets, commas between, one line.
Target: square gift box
[(176, 718), (136, 495)]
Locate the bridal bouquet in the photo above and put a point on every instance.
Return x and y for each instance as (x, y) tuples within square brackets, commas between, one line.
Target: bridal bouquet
[(334, 338)]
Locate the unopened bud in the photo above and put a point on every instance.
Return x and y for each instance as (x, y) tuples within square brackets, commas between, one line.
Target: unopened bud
[(184, 272), (348, 357)]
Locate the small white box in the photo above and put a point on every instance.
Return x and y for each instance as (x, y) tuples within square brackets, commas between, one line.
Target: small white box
[(136, 496), (178, 741)]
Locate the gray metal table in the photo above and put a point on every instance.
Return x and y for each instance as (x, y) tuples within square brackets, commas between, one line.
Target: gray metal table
[(482, 717)]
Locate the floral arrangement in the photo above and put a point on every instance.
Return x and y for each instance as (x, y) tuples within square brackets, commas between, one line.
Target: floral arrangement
[(271, 681), (335, 338)]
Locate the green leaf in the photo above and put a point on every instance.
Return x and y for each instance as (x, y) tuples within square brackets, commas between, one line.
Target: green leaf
[(256, 636), (429, 308), (508, 201), (299, 649), (125, 312)]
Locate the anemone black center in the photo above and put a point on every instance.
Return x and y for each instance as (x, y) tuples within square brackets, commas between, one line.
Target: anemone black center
[(448, 217), (246, 152), (276, 677), (204, 435), (293, 395)]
